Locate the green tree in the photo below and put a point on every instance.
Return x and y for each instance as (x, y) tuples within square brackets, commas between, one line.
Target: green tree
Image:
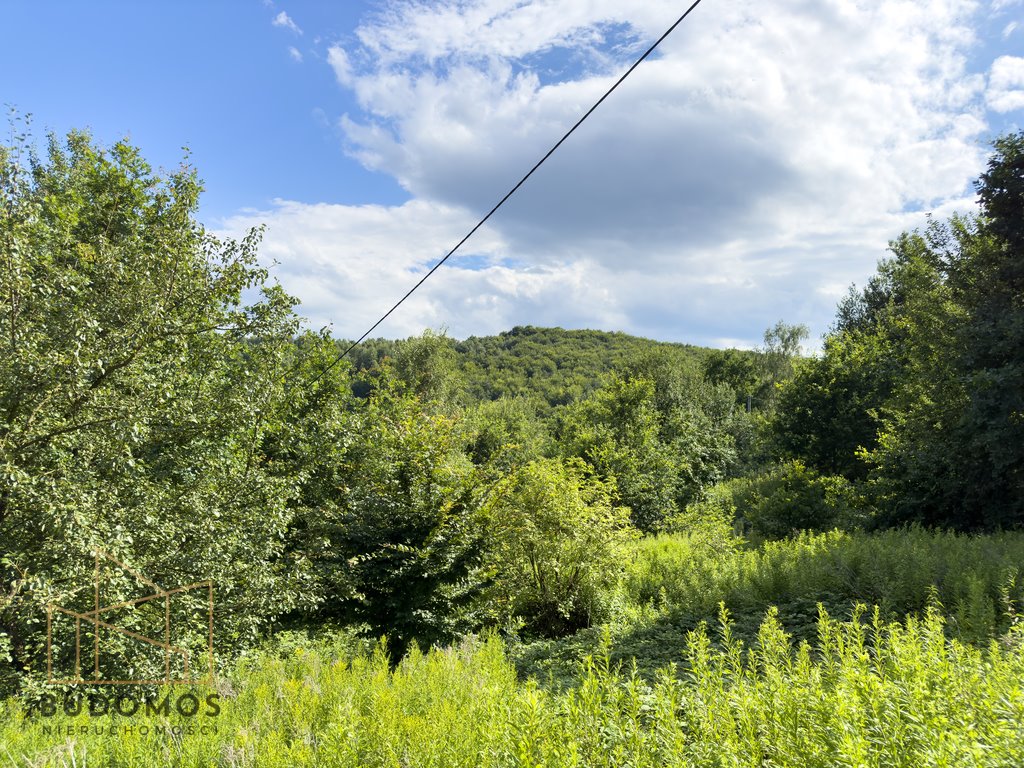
[(135, 391), (428, 367), (617, 432), (921, 388), (777, 358), (508, 430), (988, 282), (557, 544), (828, 414), (660, 431), (402, 545)]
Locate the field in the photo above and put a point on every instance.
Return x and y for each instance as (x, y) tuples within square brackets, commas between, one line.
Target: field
[(930, 677)]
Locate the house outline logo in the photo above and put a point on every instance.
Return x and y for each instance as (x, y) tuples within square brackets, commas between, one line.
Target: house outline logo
[(93, 618)]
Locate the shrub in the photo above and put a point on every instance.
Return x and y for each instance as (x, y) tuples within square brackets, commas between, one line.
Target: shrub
[(556, 547), (791, 497)]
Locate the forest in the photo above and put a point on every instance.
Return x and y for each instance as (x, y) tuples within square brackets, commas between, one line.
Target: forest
[(543, 548)]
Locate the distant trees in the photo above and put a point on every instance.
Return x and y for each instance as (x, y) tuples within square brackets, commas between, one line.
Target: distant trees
[(777, 357), (660, 431)]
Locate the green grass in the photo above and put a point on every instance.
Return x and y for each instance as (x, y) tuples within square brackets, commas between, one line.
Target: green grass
[(976, 579), (868, 693), (673, 582), (792, 685)]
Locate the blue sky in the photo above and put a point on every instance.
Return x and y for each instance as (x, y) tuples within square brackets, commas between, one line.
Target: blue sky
[(216, 76), (750, 172)]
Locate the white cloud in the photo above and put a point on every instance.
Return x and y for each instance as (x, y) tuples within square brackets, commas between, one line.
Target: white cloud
[(284, 20), (762, 159), (1006, 84), (341, 65), (1009, 29), (295, 53), (348, 264)]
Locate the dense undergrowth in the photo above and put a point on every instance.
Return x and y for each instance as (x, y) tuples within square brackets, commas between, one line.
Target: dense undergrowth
[(867, 693), (698, 668), (673, 582)]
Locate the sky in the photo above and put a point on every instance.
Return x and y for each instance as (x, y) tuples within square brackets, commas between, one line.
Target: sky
[(751, 170)]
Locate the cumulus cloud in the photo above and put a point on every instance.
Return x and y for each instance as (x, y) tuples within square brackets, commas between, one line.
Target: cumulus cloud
[(752, 169), (295, 53), (347, 264), (284, 20), (1006, 84)]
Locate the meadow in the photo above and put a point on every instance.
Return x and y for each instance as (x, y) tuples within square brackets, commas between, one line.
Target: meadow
[(909, 682)]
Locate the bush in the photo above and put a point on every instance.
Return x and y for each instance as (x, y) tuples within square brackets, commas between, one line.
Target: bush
[(790, 498), (556, 548)]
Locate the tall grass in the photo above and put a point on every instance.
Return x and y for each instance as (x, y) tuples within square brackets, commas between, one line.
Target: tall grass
[(976, 579), (869, 693), (899, 685)]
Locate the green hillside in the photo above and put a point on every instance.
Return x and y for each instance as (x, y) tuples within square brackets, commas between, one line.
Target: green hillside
[(557, 365)]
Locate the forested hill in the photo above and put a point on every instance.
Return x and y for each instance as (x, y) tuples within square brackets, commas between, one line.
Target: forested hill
[(555, 364)]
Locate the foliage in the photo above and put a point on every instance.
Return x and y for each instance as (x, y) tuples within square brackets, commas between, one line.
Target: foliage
[(617, 431), (921, 388), (737, 369), (776, 359), (508, 430), (425, 364), (976, 578), (781, 500), (866, 693), (828, 414), (135, 391), (664, 437), (403, 544), (556, 548), (560, 366), (790, 498)]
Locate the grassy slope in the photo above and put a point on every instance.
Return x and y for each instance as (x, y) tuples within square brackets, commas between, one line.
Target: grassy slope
[(865, 691), (881, 695)]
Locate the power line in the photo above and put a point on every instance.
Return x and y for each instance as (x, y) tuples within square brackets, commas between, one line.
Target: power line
[(511, 192)]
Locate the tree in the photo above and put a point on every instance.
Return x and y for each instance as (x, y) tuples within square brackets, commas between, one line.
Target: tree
[(922, 381), (988, 282), (508, 430), (617, 432), (135, 389), (828, 414), (403, 541), (556, 547), (660, 431), (427, 365), (782, 346)]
